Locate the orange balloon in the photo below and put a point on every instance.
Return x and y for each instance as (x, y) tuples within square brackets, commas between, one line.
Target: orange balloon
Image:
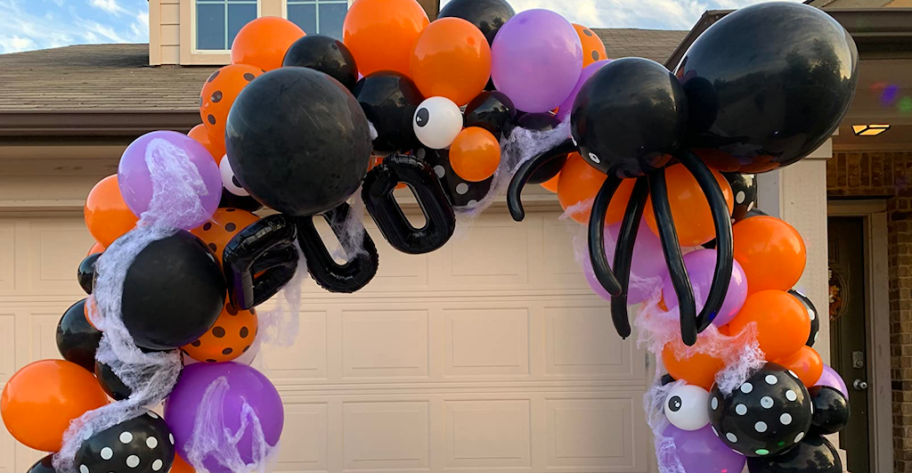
[(219, 93), (578, 185), (40, 400), (106, 214), (95, 249), (475, 154), (222, 227), (89, 305), (262, 42), (593, 47), (551, 184), (770, 251), (215, 146), (451, 59), (381, 33), (806, 363), (783, 324), (181, 466), (699, 369), (689, 207), (230, 337)]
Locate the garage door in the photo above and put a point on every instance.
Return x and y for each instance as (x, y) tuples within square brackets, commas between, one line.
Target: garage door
[(490, 354)]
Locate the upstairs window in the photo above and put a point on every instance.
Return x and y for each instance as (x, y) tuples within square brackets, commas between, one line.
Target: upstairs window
[(218, 22), (318, 16)]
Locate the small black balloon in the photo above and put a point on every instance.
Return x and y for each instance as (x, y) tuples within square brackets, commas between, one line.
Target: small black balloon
[(112, 385), (629, 117), (243, 202), (85, 274), (767, 85), (45, 465), (814, 454), (812, 314), (493, 111), (298, 141), (173, 293), (325, 54), (744, 190), (488, 15), (144, 444), (77, 340), (831, 410), (666, 379), (542, 122), (389, 100), (461, 193)]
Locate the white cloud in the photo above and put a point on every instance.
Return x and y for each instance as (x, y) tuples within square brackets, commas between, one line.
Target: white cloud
[(110, 6), (15, 44)]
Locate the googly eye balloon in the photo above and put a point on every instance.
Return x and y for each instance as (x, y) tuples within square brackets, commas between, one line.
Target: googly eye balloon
[(437, 122), (687, 407), (230, 182)]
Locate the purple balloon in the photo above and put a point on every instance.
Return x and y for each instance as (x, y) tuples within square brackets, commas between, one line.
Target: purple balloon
[(646, 268), (135, 179), (700, 451), (700, 266), (245, 385), (536, 60), (831, 378), (567, 106)]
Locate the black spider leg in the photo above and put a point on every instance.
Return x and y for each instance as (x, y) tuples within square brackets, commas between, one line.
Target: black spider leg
[(723, 227), (525, 172), (623, 254), (597, 255), (674, 259)]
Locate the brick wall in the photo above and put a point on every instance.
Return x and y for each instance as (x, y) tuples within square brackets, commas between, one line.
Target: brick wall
[(889, 175)]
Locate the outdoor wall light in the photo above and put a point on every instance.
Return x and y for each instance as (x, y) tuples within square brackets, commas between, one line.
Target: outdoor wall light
[(869, 130)]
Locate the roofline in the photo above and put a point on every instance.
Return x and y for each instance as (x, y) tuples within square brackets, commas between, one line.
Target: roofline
[(93, 123)]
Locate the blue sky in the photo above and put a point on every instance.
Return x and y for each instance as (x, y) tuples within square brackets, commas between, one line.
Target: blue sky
[(38, 24)]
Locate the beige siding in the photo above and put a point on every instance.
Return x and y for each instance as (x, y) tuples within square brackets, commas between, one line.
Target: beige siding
[(164, 32)]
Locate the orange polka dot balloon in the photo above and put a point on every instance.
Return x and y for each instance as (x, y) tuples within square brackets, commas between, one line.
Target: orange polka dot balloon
[(593, 47), (222, 227), (219, 93), (231, 336)]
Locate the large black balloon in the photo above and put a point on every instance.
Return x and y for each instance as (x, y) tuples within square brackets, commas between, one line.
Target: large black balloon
[(298, 141), (629, 117), (812, 314), (488, 15), (814, 454), (542, 122), (461, 193), (389, 100), (77, 340), (744, 189), (85, 274), (141, 445), (325, 54), (831, 410), (493, 111), (173, 293), (764, 416), (767, 85)]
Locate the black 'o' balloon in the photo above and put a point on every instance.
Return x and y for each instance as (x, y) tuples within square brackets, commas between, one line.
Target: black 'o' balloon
[(86, 272), (831, 410), (77, 340), (298, 141), (493, 111), (629, 117), (487, 15), (325, 54), (141, 445), (814, 454), (173, 293), (389, 100), (767, 85)]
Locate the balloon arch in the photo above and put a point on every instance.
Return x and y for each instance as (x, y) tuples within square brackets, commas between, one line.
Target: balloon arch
[(659, 165)]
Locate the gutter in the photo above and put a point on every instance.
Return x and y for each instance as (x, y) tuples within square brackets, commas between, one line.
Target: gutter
[(92, 123)]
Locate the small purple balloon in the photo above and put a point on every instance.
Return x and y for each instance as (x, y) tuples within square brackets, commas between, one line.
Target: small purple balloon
[(137, 186), (831, 378), (701, 265), (245, 385), (646, 268), (567, 106), (700, 451), (536, 60)]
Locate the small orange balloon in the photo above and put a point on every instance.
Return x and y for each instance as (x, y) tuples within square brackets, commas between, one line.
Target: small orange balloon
[(593, 47), (783, 324), (451, 59), (475, 154), (806, 363), (95, 249), (215, 146), (578, 185), (181, 466), (40, 400), (262, 43), (231, 336), (217, 96), (222, 227), (106, 214), (699, 369), (551, 184), (689, 208), (770, 251), (381, 33)]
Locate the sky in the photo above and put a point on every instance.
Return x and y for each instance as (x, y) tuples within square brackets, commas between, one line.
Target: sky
[(38, 24)]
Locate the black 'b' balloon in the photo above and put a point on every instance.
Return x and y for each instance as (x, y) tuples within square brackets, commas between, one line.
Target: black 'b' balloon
[(767, 85), (325, 54), (389, 100), (487, 15), (77, 340)]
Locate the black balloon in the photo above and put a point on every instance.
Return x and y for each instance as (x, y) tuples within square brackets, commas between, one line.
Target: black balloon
[(141, 445), (325, 54), (493, 111), (812, 314), (45, 465), (488, 15), (744, 190), (542, 122), (112, 385), (85, 274), (814, 454), (77, 340), (766, 415), (666, 379), (629, 117), (173, 293), (389, 100), (298, 141), (461, 193), (831, 410), (767, 85), (242, 202)]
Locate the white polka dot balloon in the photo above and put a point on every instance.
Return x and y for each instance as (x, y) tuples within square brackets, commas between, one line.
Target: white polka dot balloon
[(686, 407), (140, 445)]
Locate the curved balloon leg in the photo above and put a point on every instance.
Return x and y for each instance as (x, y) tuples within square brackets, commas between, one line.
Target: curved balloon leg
[(623, 253), (722, 222), (597, 256), (334, 277), (674, 259), (268, 240), (525, 172)]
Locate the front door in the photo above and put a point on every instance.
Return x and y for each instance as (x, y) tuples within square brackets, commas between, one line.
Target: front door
[(848, 332)]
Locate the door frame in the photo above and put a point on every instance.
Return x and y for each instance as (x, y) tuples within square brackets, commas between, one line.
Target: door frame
[(877, 318)]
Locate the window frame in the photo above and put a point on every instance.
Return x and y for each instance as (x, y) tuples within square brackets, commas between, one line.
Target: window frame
[(189, 54), (284, 6), (195, 24)]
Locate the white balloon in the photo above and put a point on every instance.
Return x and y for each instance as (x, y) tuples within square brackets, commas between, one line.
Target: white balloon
[(437, 121), (228, 180), (687, 407)]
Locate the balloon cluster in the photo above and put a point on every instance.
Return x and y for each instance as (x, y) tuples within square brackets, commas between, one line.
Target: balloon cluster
[(309, 126)]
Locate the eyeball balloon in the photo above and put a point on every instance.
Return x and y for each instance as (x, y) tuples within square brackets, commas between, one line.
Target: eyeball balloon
[(229, 182), (437, 122), (687, 407)]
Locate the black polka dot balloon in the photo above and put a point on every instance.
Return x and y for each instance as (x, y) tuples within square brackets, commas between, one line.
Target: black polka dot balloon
[(768, 414), (744, 190), (141, 445), (812, 313), (462, 193)]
